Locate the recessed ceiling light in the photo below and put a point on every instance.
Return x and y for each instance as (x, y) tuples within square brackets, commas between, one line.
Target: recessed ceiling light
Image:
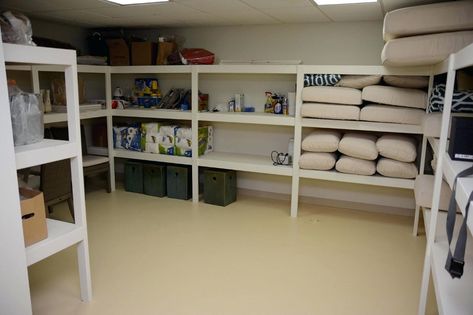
[(332, 2), (135, 2)]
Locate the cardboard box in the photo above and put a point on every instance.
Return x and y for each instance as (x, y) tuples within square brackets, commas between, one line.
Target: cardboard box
[(164, 50), (33, 216), (143, 53), (118, 52)]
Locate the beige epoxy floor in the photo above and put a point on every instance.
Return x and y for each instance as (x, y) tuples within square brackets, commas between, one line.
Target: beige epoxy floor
[(163, 256)]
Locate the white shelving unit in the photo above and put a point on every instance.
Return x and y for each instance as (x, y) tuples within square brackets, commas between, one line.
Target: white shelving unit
[(453, 295), (248, 161), (243, 161), (14, 285)]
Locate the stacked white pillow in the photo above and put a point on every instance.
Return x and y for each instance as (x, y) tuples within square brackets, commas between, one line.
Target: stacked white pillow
[(398, 155), (319, 150), (391, 155), (401, 101), (359, 154)]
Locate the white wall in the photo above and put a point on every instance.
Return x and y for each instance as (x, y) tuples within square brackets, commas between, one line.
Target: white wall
[(358, 43), (74, 35)]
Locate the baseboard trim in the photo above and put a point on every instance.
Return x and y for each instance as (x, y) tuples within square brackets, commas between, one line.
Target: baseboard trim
[(330, 202)]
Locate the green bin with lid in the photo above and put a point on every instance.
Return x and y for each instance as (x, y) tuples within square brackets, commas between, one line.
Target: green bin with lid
[(220, 187), (134, 176), (179, 181), (154, 179)]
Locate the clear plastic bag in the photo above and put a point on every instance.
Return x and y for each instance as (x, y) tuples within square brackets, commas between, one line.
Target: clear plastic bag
[(27, 118), (16, 29)]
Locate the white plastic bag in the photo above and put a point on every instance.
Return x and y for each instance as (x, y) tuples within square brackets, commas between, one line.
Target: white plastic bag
[(27, 118), (16, 29)]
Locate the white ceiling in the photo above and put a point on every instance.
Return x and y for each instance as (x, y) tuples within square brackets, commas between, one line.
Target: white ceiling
[(185, 13)]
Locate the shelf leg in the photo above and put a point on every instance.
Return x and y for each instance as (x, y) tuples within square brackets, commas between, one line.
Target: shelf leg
[(84, 271), (415, 229)]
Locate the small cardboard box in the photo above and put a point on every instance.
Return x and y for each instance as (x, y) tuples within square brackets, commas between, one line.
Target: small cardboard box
[(143, 53), (164, 50), (118, 52), (33, 216)]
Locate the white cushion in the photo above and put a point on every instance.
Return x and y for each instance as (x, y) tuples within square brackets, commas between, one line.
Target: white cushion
[(424, 190), (428, 19), (392, 168), (351, 165), (358, 81), (395, 96), (397, 147), (322, 140), (359, 145), (424, 50), (331, 94), (392, 114), (407, 81), (330, 111), (322, 161), (91, 160)]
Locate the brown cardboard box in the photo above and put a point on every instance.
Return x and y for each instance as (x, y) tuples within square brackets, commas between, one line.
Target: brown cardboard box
[(33, 216), (143, 53), (118, 52), (164, 50)]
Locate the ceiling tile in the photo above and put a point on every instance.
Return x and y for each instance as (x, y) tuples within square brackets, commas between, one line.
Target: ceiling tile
[(264, 4), (353, 12), (297, 14), (210, 6), (390, 5), (86, 18)]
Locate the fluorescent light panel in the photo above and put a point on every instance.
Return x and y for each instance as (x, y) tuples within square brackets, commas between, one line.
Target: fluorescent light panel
[(332, 2), (134, 2)]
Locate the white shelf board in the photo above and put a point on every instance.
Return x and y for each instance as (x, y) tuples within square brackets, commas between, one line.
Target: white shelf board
[(126, 154), (45, 151), (248, 118), (151, 69), (452, 168), (153, 113), (243, 162), (249, 69), (16, 67), (38, 55), (376, 180), (92, 69), (365, 70), (453, 295), (61, 117), (61, 235), (361, 125)]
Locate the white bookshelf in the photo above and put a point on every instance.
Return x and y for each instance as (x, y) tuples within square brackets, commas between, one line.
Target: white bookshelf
[(153, 157), (61, 235), (247, 118), (361, 125), (243, 162), (153, 113), (453, 295), (376, 180)]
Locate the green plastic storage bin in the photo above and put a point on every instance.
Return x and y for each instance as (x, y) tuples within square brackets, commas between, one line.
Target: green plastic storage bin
[(219, 187), (179, 182), (134, 177), (154, 180)]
